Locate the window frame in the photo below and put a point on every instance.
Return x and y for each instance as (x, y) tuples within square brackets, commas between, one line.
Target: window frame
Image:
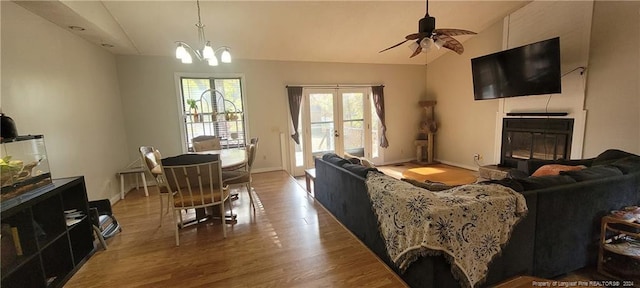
[(181, 109)]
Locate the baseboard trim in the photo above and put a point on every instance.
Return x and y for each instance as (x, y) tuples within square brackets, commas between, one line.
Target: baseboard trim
[(398, 161), (266, 169), (473, 168)]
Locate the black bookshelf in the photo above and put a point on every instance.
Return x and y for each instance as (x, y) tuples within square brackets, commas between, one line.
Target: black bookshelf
[(40, 247)]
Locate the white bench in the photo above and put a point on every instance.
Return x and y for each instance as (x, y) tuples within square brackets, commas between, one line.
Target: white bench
[(136, 171)]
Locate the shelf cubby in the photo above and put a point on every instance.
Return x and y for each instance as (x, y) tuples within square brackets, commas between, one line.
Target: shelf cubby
[(50, 250)]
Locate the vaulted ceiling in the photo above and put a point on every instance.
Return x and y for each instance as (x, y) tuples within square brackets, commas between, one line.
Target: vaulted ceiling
[(317, 31)]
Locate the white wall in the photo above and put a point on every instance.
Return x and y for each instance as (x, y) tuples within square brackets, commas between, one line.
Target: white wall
[(465, 126), (613, 92), (541, 20), (149, 95), (608, 44), (56, 84)]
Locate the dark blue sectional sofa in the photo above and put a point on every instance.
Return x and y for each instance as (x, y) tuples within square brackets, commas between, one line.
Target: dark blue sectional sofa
[(559, 234)]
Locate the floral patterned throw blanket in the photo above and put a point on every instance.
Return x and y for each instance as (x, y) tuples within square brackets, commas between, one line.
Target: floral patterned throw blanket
[(468, 224)]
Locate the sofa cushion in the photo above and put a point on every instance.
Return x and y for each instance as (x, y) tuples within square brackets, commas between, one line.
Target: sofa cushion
[(628, 164), (429, 185), (610, 156), (555, 169), (533, 183), (592, 173), (335, 159), (531, 165), (358, 169), (359, 160)]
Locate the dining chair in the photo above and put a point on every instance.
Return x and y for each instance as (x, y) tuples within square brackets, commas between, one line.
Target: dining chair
[(242, 176), (151, 159), (243, 164), (205, 143), (196, 186)]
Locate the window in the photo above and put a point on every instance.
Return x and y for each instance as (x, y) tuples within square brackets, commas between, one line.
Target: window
[(213, 106)]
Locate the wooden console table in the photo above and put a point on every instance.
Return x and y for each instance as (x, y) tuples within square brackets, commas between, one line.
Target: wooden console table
[(309, 175)]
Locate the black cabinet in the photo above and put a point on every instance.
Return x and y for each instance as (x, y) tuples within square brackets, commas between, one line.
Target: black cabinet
[(46, 234)]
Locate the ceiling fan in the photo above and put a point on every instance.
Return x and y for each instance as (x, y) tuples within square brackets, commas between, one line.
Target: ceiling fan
[(428, 35)]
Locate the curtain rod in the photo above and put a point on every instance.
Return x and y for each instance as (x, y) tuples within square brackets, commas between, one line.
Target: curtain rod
[(336, 86)]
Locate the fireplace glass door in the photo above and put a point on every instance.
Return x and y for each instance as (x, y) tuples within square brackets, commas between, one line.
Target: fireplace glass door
[(535, 138), (528, 145)]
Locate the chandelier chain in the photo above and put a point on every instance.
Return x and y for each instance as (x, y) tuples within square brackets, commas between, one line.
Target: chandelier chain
[(199, 20), (201, 38)]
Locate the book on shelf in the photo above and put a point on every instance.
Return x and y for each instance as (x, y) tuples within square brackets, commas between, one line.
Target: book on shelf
[(71, 222), (73, 216), (16, 240)]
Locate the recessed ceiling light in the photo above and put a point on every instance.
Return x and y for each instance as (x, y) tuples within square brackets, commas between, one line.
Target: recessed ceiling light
[(107, 45), (76, 28)]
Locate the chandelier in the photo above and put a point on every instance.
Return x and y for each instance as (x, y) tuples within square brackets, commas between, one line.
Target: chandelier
[(206, 53)]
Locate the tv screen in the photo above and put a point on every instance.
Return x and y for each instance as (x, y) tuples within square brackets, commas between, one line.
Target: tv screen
[(532, 69)]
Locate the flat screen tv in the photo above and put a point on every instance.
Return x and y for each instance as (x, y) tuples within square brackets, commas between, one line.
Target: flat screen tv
[(532, 69)]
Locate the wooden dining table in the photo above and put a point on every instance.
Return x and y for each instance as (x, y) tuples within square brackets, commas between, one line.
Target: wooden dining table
[(228, 157)]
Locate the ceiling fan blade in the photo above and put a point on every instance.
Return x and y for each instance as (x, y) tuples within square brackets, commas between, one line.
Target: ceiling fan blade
[(418, 50), (415, 36), (453, 32), (394, 46), (451, 43)]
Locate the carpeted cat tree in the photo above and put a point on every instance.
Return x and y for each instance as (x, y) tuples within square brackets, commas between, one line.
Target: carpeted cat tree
[(428, 128)]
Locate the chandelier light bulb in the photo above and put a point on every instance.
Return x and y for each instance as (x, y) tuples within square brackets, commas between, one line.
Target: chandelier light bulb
[(213, 61), (226, 56), (180, 51), (207, 52), (426, 43), (186, 58), (439, 43), (203, 51)]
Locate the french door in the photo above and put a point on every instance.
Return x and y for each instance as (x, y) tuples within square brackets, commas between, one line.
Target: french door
[(334, 121)]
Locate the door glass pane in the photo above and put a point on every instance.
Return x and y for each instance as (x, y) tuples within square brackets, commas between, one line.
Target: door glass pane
[(353, 123), (322, 125)]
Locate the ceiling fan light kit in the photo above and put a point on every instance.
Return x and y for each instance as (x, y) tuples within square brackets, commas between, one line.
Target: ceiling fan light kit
[(428, 36), (207, 53)]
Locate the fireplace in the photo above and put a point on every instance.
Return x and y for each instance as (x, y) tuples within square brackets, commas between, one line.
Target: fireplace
[(535, 138)]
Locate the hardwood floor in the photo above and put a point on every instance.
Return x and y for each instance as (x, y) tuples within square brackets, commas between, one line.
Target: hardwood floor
[(290, 241)]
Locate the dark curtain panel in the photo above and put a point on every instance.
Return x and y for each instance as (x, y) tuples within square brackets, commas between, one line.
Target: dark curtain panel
[(378, 100), (295, 99)]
